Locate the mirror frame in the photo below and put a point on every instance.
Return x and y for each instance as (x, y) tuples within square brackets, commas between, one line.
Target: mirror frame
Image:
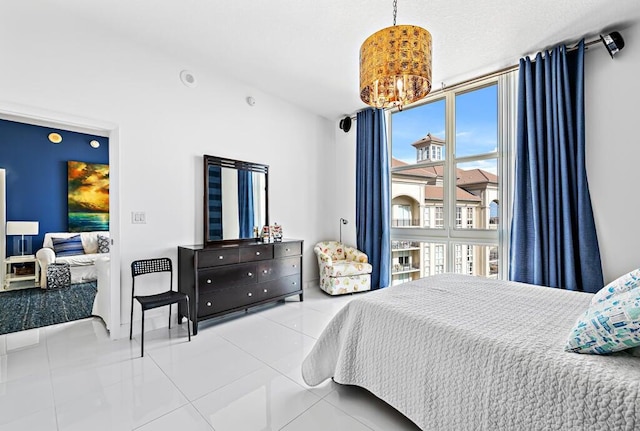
[(233, 164)]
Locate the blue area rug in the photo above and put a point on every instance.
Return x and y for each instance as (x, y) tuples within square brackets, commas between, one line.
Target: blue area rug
[(33, 308)]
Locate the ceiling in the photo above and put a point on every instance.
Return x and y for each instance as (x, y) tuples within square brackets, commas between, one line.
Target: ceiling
[(306, 51)]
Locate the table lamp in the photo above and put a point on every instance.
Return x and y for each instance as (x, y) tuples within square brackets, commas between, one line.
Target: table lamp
[(22, 228)]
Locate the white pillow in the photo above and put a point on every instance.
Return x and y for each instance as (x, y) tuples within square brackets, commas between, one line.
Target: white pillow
[(622, 284)]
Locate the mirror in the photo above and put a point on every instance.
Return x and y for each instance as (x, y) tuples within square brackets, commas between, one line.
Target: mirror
[(235, 199)]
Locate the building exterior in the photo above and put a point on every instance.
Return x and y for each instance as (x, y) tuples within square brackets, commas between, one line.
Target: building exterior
[(418, 202)]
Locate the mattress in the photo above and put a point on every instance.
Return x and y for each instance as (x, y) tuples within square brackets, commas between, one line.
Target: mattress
[(454, 352)]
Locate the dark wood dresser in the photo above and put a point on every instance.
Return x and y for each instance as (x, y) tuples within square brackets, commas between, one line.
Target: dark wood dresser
[(221, 279)]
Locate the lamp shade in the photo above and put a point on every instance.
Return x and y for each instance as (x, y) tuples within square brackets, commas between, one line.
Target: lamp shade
[(395, 66), (22, 228)]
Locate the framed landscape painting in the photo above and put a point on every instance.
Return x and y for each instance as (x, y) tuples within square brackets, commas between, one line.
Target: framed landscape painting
[(88, 196)]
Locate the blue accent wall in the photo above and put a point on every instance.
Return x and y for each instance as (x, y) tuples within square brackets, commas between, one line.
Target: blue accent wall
[(36, 174)]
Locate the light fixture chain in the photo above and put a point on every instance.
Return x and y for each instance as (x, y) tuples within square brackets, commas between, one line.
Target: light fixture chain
[(395, 11)]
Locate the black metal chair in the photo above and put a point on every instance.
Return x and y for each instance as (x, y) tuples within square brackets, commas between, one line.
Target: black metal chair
[(147, 302)]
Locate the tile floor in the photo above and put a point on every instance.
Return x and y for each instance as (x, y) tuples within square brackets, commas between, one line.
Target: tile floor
[(239, 374)]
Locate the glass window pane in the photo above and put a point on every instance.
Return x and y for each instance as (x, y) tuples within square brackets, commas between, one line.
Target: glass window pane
[(411, 260), (477, 122), (418, 134), (477, 195), (417, 198), (478, 260)]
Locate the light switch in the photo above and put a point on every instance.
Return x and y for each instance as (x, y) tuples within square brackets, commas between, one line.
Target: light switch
[(138, 217)]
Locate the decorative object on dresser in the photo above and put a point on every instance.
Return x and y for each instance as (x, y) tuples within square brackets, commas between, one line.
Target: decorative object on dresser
[(224, 278)]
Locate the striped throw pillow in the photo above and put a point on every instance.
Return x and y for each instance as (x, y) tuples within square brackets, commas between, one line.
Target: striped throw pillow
[(71, 246)]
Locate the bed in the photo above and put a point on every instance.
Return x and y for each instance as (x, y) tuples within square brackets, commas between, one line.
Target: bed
[(454, 352)]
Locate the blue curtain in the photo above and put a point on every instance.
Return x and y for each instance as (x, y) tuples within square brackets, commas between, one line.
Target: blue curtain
[(553, 234), (372, 194), (215, 203), (245, 203)]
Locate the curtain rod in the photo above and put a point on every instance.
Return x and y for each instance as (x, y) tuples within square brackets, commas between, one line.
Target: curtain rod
[(485, 76)]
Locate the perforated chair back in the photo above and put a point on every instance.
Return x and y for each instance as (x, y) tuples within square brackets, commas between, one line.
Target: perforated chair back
[(148, 266), (166, 297)]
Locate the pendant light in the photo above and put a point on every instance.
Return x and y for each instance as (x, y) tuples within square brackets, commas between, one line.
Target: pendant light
[(395, 65)]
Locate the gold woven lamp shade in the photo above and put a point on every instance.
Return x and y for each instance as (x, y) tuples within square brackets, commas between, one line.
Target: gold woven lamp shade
[(395, 66)]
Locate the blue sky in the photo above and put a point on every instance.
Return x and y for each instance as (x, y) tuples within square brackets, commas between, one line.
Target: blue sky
[(476, 124)]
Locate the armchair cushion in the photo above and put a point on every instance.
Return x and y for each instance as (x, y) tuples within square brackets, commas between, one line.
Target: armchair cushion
[(343, 268)]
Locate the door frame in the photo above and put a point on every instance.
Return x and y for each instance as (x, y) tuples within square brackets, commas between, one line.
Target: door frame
[(59, 120)]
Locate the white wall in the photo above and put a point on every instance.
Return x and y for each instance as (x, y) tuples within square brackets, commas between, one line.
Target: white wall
[(56, 63), (344, 205), (613, 151)]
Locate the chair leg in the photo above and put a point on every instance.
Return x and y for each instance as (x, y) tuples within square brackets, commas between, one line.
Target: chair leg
[(142, 337), (131, 321), (169, 316), (188, 319)]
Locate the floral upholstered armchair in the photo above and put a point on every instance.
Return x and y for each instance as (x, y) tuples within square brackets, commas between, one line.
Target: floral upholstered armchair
[(343, 269)]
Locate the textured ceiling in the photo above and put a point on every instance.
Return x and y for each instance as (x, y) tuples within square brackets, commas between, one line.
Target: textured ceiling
[(307, 51)]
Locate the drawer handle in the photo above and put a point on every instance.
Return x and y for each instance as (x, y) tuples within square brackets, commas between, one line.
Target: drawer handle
[(208, 281), (249, 294), (286, 249), (221, 257), (209, 304), (265, 291), (294, 265), (294, 283), (250, 274), (265, 271), (257, 253)]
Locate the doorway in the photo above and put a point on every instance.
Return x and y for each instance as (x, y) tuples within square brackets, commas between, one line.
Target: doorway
[(107, 133)]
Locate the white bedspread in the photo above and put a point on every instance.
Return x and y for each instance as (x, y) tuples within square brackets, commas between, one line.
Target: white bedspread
[(463, 353)]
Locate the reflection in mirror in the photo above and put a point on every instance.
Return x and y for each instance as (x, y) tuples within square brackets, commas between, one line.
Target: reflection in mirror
[(235, 199)]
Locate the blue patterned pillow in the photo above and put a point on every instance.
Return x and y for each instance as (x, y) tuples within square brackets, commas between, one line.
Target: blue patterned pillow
[(103, 244), (622, 284), (608, 326), (71, 246)]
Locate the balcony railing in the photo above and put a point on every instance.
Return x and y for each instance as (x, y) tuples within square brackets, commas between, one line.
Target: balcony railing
[(399, 245), (404, 222), (397, 268)]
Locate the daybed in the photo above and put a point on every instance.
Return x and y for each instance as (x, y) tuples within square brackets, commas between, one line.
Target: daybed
[(82, 263), (453, 352)]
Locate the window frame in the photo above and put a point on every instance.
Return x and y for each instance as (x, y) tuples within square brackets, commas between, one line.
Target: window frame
[(449, 234)]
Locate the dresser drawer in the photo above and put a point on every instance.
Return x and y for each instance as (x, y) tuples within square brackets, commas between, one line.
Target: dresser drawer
[(218, 256), (287, 249), (228, 276), (223, 299), (278, 268), (256, 252), (273, 288)]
